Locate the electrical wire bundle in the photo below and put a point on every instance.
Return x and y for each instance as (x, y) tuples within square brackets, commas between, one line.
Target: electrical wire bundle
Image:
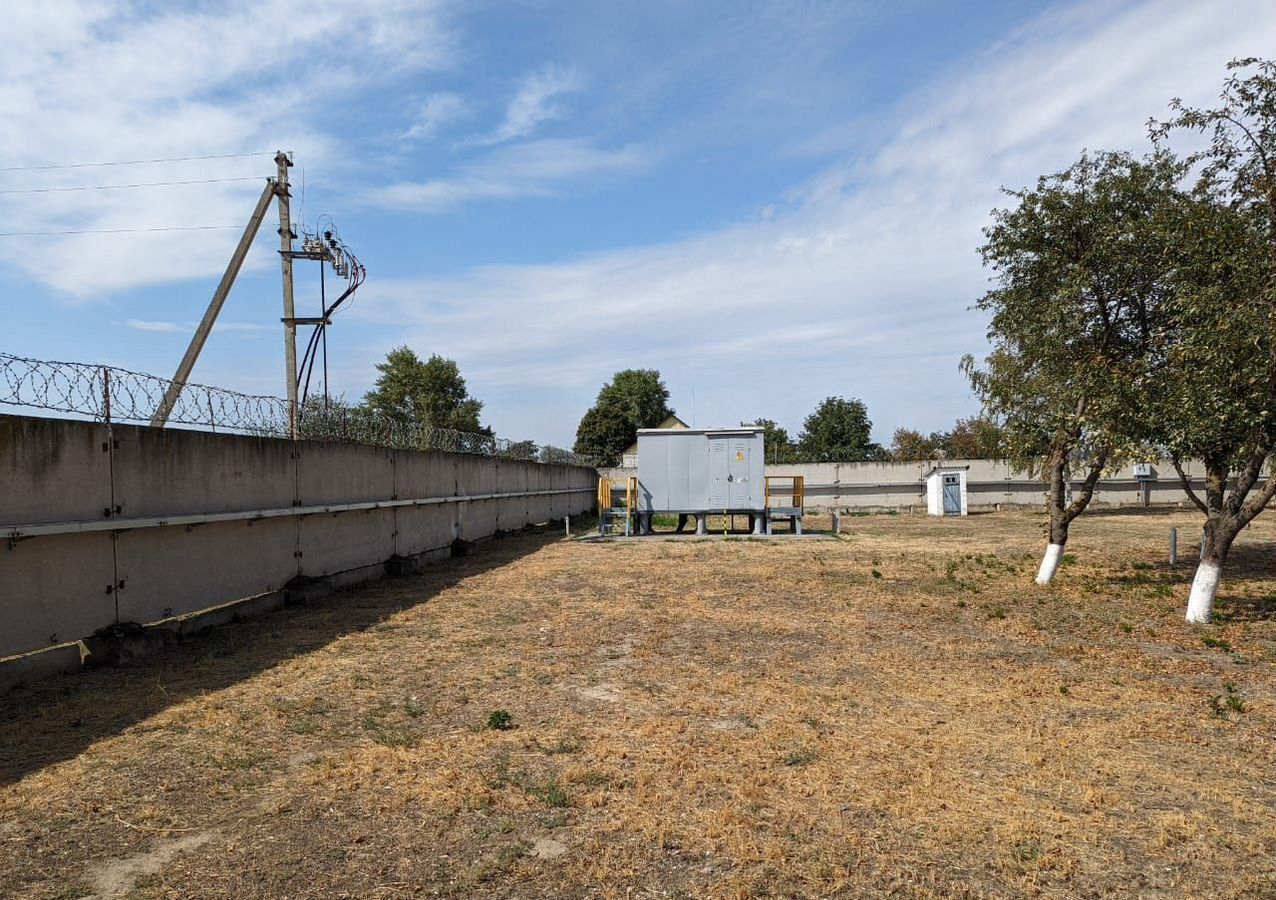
[(327, 247)]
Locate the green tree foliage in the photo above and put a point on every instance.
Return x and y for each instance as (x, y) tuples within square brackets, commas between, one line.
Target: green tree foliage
[(427, 393), (838, 431), (1214, 384), (633, 399), (1079, 276), (908, 445), (973, 438), (779, 447)]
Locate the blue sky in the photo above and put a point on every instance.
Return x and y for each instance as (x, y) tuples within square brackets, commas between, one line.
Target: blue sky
[(769, 202)]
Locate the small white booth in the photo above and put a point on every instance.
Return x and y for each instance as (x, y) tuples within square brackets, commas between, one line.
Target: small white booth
[(946, 490)]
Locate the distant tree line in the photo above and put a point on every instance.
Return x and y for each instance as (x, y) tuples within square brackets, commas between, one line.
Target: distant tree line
[(838, 430)]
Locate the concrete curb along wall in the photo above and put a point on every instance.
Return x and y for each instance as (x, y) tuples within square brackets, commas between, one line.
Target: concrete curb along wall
[(103, 525), (990, 484)]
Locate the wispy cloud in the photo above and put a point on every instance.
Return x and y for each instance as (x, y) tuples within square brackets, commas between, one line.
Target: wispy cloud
[(436, 111), (533, 103), (533, 168), (189, 327), (94, 80), (860, 282)]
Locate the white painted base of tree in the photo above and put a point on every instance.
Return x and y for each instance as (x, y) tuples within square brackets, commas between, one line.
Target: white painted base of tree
[(1200, 604), (1050, 563)]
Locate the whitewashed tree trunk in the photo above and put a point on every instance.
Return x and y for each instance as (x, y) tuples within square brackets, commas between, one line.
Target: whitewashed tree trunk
[(1200, 604), (1050, 563)]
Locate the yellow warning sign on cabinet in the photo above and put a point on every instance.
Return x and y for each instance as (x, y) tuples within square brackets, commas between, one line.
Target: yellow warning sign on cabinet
[(739, 455)]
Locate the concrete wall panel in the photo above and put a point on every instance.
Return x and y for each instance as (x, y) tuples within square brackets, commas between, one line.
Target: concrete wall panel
[(478, 517), (172, 471), (990, 483), (343, 473), (173, 571), (422, 528), (512, 514), (425, 474), (55, 588), (53, 471), (337, 542)]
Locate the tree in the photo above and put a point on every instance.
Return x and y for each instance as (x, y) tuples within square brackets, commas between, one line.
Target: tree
[(908, 445), (633, 399), (776, 443), (1215, 385), (975, 438), (838, 431), (429, 393), (1079, 277)]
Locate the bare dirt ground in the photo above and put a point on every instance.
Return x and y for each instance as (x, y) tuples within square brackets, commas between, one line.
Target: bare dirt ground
[(900, 712)]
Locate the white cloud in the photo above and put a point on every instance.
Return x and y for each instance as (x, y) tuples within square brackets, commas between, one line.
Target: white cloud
[(860, 285), (534, 103), (533, 168), (103, 80), (188, 328), (436, 111)]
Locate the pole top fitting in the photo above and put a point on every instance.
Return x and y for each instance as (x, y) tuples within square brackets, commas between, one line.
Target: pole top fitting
[(283, 158)]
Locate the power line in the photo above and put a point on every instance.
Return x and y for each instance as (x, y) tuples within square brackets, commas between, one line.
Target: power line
[(116, 230), (116, 187), (132, 162)]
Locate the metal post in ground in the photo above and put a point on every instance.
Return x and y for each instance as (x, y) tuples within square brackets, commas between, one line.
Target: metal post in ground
[(1174, 546)]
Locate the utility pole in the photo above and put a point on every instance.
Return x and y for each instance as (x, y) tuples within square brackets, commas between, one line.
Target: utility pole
[(285, 261), (174, 390)]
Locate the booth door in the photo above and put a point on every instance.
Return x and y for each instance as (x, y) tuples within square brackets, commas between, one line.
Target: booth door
[(952, 495)]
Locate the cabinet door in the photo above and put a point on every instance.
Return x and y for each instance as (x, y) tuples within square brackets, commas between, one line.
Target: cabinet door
[(719, 472), (738, 486)]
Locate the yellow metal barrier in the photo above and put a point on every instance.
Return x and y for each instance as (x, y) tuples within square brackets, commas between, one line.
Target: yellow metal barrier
[(797, 489)]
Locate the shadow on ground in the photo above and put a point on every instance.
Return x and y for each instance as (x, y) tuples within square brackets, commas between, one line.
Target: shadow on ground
[(54, 720), (1248, 562)]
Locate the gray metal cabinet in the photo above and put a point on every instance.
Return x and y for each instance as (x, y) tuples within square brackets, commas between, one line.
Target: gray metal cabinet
[(701, 470)]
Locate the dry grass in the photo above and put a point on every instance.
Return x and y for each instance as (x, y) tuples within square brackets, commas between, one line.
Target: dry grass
[(900, 712)]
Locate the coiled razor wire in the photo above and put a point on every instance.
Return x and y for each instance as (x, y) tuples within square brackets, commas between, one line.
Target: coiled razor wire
[(110, 394)]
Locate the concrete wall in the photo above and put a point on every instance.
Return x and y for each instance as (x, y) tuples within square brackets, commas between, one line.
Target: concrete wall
[(989, 484), (128, 524)]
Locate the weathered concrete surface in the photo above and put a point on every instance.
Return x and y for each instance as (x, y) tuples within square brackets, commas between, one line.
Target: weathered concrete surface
[(51, 473), (160, 471), (64, 587), (174, 571), (990, 484), (39, 665), (55, 589)]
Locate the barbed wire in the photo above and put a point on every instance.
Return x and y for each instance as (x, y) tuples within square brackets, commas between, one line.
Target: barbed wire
[(111, 394)]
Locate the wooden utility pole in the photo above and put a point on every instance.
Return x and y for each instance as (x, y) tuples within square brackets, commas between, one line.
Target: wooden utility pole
[(165, 409)]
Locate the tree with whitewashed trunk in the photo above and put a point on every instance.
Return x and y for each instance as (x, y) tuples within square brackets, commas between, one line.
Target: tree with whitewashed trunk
[(1077, 283), (1215, 374)]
